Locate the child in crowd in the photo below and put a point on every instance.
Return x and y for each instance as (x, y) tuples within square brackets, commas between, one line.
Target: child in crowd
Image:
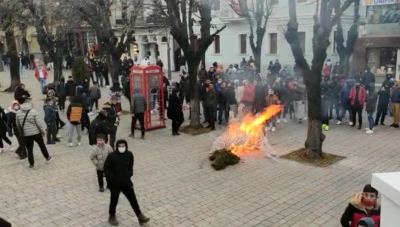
[(94, 95), (50, 117), (98, 157), (362, 205)]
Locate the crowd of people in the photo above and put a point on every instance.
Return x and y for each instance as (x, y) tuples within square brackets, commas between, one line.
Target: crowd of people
[(236, 90)]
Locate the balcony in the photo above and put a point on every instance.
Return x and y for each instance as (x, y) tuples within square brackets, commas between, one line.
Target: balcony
[(382, 29), (383, 20)]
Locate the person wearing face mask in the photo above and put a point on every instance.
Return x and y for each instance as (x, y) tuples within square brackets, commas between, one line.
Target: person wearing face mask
[(118, 169), (327, 69), (362, 205), (370, 107), (368, 78), (337, 69), (344, 102), (184, 88), (336, 88), (13, 130), (383, 103), (357, 100), (326, 98)]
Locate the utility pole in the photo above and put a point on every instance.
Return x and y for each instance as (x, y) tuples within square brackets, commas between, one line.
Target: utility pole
[(168, 55)]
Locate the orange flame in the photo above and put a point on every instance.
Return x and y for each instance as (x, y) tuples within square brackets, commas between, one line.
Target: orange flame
[(249, 133)]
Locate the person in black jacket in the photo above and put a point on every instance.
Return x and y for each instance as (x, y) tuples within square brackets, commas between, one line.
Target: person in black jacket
[(383, 103), (13, 130), (223, 108), (175, 112), (21, 93), (98, 68), (118, 168), (112, 118), (70, 88), (3, 130), (326, 97), (99, 126)]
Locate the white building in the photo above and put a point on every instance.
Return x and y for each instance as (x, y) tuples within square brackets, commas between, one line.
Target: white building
[(232, 44)]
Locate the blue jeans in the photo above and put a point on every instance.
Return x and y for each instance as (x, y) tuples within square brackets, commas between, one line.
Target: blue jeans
[(153, 101), (42, 83), (370, 120)]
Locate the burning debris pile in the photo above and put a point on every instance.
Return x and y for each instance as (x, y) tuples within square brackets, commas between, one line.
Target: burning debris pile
[(245, 136)]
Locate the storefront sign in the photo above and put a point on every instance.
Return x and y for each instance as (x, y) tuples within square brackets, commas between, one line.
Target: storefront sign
[(378, 2)]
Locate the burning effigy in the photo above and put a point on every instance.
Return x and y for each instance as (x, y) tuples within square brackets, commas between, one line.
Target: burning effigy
[(245, 135)]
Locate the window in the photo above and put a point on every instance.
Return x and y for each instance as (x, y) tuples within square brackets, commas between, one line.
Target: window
[(383, 14), (243, 43), (217, 48), (334, 42), (216, 5), (302, 1), (273, 43), (302, 40)]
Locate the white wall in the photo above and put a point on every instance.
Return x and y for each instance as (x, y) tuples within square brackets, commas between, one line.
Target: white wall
[(229, 38)]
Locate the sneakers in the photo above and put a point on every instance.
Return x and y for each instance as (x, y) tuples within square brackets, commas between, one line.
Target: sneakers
[(278, 121), (101, 190), (70, 145), (284, 120), (113, 221), (31, 166), (1, 150), (351, 123), (338, 122), (273, 129), (78, 144), (49, 159), (12, 149), (143, 219), (369, 131), (325, 127)]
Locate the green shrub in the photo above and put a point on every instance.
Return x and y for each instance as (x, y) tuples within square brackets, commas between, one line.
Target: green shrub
[(79, 71), (220, 159)]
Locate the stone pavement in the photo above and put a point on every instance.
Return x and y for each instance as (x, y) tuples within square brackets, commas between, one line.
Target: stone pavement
[(176, 187)]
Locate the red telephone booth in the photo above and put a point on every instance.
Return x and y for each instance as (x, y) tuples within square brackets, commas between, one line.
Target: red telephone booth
[(149, 81)]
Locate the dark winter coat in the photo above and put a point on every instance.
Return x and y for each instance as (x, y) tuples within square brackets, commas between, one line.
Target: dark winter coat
[(174, 111), (70, 88), (383, 100), (21, 94), (372, 98), (211, 98), (3, 122), (118, 167), (222, 95), (355, 211), (49, 114), (99, 126), (12, 124), (230, 96)]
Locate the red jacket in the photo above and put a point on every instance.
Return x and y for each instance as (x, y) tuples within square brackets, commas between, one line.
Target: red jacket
[(362, 96), (249, 93), (37, 74)]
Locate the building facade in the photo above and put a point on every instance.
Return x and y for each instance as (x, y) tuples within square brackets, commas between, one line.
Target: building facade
[(378, 44), (232, 44)]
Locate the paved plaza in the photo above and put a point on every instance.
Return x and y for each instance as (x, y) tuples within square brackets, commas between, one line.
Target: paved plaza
[(176, 187)]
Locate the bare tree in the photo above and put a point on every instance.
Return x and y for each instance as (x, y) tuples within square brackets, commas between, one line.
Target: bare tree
[(8, 12), (257, 15), (97, 15), (181, 18), (345, 51), (50, 21), (323, 23)]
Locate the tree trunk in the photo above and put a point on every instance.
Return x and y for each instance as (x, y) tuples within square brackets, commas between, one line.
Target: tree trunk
[(58, 62), (194, 94), (114, 64), (257, 57), (1, 62), (312, 80), (14, 60)]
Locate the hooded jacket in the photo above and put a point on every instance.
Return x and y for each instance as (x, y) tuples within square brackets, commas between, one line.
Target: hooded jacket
[(70, 88), (21, 94), (118, 167), (99, 125), (372, 98), (33, 125), (355, 211)]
